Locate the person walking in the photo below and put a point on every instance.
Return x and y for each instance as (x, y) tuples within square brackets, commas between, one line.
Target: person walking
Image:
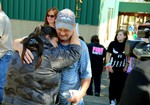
[(117, 63), (5, 49), (97, 56)]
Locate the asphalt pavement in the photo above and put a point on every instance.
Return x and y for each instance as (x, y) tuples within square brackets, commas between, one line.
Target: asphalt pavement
[(103, 99)]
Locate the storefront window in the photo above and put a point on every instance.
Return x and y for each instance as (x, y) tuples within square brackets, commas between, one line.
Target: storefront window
[(131, 21)]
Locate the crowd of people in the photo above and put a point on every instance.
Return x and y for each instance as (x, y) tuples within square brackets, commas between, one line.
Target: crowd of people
[(54, 66)]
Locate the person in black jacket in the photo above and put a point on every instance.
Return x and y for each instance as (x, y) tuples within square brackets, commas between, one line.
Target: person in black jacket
[(117, 63), (97, 55), (38, 83), (137, 87)]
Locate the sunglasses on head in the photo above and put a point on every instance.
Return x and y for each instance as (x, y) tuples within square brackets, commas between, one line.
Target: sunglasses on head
[(52, 16)]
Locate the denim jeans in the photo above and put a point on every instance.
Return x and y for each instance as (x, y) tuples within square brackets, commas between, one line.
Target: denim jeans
[(4, 61)]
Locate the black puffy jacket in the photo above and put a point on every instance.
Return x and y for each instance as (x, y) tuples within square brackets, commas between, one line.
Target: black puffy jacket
[(29, 86)]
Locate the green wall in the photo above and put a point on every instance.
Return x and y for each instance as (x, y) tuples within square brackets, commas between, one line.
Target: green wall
[(35, 10), (134, 7)]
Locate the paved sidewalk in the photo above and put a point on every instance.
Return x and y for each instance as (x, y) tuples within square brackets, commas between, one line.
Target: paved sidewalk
[(103, 99)]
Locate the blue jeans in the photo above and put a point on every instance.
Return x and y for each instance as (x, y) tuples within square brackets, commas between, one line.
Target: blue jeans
[(4, 61)]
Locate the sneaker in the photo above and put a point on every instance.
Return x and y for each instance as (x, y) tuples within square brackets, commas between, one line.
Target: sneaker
[(112, 102), (97, 94)]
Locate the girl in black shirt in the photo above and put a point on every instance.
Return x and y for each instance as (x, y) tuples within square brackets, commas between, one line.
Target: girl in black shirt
[(117, 64)]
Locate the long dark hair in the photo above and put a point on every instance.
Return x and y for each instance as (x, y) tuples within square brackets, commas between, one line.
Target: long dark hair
[(37, 45), (34, 43), (125, 33)]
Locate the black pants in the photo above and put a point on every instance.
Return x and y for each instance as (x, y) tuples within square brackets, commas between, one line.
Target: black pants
[(96, 79), (117, 81)]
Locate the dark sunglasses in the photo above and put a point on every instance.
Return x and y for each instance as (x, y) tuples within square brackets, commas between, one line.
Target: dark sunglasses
[(52, 16)]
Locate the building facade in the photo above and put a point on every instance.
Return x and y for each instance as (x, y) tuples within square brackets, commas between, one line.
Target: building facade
[(102, 17)]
